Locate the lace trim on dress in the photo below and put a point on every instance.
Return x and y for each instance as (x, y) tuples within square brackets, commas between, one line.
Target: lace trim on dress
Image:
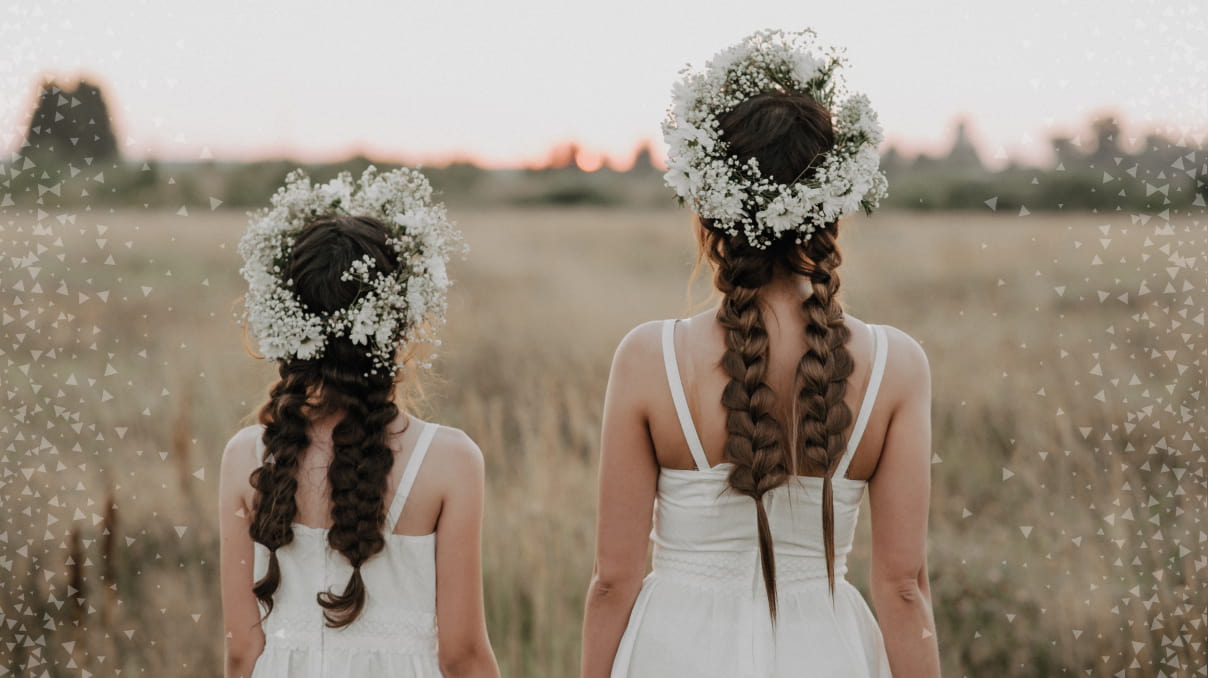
[(735, 569), (391, 629)]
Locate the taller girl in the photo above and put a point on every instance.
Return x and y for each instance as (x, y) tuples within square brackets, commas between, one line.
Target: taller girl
[(746, 435)]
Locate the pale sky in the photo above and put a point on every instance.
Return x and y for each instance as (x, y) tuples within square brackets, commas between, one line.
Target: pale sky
[(504, 81)]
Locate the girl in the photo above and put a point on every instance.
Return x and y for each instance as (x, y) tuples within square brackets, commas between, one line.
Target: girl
[(747, 435), (350, 528)]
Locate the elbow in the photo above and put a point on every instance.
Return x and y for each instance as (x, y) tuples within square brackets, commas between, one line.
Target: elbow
[(908, 591), (904, 589), (607, 586), (240, 664), (470, 659), (242, 652)]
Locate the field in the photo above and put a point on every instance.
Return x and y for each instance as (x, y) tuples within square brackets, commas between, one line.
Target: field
[(1067, 533)]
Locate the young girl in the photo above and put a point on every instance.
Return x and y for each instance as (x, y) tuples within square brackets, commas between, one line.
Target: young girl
[(350, 528), (747, 435)]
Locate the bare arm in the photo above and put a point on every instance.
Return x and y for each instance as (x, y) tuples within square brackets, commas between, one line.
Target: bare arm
[(899, 498), (465, 649), (627, 486), (240, 611)]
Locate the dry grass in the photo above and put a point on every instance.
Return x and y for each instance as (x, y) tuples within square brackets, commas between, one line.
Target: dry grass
[(1043, 552)]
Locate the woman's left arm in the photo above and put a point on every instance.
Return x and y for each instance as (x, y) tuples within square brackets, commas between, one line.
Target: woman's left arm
[(240, 610), (465, 648), (627, 486)]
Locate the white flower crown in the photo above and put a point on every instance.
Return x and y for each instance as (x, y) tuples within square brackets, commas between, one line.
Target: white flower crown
[(402, 307), (735, 195)]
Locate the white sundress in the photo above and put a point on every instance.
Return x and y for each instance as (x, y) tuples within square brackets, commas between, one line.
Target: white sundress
[(395, 634), (703, 610)]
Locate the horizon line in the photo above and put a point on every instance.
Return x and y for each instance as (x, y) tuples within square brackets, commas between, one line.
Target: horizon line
[(564, 152)]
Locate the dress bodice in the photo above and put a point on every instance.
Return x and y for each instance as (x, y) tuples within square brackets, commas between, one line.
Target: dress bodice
[(703, 609), (696, 511), (395, 634)]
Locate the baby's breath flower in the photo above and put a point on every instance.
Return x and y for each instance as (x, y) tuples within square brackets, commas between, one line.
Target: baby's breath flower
[(397, 308), (736, 196)]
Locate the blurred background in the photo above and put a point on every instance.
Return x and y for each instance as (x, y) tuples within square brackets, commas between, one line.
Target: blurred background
[(1044, 239)]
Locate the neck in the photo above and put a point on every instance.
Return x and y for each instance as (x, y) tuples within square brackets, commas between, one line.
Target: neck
[(786, 289), (781, 298), (321, 423)]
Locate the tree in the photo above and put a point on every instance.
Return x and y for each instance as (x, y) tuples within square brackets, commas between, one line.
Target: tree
[(70, 127)]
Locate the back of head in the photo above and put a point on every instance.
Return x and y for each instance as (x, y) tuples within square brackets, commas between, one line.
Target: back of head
[(323, 250), (787, 132)]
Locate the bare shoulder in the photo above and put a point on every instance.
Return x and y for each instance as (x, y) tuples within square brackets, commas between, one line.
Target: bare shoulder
[(239, 459), (907, 370), (637, 362), (240, 450), (640, 346), (454, 457)]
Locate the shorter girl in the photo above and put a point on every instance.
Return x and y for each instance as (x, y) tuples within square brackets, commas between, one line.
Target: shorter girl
[(352, 526)]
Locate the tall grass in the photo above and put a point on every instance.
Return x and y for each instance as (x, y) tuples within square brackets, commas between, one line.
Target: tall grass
[(1063, 533)]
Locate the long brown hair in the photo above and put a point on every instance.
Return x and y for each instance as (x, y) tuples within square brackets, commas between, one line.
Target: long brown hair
[(787, 133), (339, 381)]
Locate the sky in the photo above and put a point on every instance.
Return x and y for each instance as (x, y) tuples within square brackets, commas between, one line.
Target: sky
[(502, 82)]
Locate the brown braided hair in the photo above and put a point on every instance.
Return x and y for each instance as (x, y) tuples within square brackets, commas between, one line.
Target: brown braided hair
[(339, 381), (788, 134)]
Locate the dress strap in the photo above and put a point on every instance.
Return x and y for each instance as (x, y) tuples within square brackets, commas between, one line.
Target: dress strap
[(880, 343), (409, 473), (678, 397)]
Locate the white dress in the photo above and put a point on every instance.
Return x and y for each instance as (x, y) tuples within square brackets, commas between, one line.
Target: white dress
[(395, 635), (703, 610)]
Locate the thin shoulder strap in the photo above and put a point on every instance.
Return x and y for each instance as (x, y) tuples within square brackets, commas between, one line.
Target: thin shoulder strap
[(880, 350), (678, 397), (409, 473)]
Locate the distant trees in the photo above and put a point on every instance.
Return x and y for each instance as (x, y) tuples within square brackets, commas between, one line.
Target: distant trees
[(1089, 175), (69, 151), (70, 155)]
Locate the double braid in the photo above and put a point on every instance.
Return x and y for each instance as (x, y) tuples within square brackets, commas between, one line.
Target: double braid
[(358, 475), (762, 454)]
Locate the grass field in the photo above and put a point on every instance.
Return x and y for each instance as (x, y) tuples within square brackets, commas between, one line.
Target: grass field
[(1067, 360)]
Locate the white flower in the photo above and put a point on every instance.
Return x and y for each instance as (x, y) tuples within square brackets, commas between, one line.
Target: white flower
[(737, 197), (397, 305)]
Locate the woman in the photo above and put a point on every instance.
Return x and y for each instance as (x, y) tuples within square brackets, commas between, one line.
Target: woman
[(350, 528), (746, 435)]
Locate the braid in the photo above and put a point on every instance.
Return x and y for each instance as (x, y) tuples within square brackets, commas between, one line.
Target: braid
[(276, 479), (822, 373), (358, 475), (754, 442)]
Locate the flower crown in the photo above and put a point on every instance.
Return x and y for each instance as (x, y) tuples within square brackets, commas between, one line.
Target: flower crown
[(735, 195), (401, 307)]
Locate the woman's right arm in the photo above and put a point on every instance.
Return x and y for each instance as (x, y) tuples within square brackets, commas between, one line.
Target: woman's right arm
[(627, 485), (899, 493)]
